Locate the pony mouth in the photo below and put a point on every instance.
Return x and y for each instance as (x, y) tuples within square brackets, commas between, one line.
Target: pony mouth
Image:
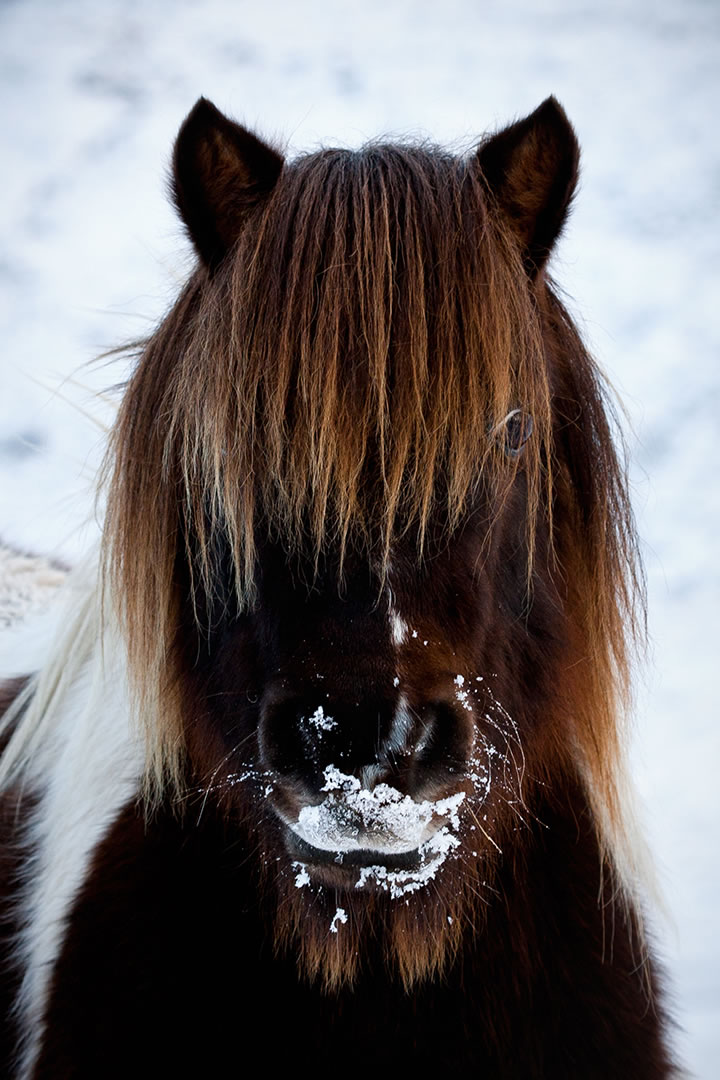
[(350, 860), (364, 839), (397, 874)]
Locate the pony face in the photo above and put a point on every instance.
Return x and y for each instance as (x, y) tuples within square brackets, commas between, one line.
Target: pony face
[(365, 710), (369, 732), (368, 528)]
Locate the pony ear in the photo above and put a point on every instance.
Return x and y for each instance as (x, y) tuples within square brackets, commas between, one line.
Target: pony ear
[(220, 172), (531, 169)]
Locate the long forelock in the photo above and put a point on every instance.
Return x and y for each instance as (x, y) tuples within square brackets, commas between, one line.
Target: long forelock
[(342, 375)]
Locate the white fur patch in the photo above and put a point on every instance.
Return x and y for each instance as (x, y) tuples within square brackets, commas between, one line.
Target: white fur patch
[(83, 760), (398, 626)]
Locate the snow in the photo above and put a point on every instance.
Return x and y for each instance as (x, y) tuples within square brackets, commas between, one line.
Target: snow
[(352, 816), (400, 883), (302, 877), (93, 94), (340, 916), (28, 586), (462, 696), (321, 721)]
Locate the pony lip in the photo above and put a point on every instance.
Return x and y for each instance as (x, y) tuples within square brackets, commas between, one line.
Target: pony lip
[(332, 831), (347, 842), (351, 859)]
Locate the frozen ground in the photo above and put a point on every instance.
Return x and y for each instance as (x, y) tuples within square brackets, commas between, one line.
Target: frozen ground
[(90, 254)]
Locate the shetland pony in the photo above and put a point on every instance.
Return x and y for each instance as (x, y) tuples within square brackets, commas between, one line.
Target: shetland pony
[(326, 764)]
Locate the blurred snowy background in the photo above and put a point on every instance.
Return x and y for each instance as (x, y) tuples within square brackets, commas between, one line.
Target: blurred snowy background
[(93, 92)]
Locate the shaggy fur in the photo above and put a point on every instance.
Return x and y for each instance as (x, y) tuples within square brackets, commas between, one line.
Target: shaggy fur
[(367, 509)]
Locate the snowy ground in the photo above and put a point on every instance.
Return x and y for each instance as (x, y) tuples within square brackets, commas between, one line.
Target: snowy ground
[(90, 255)]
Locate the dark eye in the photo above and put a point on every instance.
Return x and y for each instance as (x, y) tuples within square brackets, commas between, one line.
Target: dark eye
[(515, 430)]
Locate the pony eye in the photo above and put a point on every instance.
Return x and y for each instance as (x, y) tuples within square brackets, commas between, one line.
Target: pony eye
[(515, 430)]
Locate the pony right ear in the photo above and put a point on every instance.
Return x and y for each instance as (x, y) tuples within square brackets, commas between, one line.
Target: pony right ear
[(531, 168), (220, 172)]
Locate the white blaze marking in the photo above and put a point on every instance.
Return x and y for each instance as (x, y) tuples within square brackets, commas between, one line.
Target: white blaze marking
[(398, 628)]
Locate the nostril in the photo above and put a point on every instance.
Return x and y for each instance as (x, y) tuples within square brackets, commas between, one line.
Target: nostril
[(413, 729), (410, 747), (441, 739), (426, 744), (298, 735)]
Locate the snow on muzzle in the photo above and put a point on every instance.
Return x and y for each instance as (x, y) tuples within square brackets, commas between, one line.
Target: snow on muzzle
[(383, 820)]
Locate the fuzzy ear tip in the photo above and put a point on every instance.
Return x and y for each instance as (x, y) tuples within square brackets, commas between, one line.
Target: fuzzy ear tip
[(202, 112), (555, 124), (551, 112), (205, 105), (551, 104), (202, 118)]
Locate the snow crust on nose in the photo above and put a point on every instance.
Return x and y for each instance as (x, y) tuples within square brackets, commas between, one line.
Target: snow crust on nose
[(352, 817)]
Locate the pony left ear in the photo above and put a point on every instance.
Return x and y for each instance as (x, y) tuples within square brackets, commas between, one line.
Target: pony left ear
[(220, 172), (531, 169)]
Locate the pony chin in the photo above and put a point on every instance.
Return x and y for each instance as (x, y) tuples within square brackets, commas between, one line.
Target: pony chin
[(338, 934)]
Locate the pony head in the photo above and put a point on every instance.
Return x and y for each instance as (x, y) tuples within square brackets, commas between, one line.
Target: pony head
[(369, 532)]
